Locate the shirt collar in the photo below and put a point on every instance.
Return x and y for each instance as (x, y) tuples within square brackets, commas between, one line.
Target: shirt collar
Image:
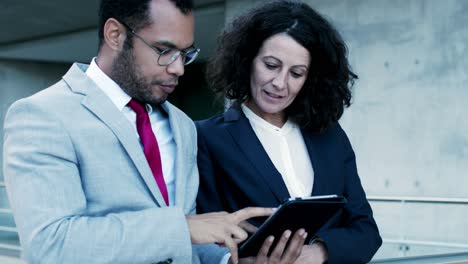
[(108, 86), (258, 121)]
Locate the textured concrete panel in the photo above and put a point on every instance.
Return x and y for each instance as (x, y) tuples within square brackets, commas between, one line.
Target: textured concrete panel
[(407, 123)]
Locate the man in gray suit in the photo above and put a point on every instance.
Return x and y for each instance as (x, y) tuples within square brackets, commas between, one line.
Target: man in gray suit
[(80, 180)]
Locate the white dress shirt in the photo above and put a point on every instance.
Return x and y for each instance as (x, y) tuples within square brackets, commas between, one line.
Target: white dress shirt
[(158, 118), (287, 150)]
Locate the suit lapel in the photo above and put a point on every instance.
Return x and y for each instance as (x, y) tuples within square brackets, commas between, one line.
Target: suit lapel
[(242, 133), (180, 160), (100, 105), (318, 163)]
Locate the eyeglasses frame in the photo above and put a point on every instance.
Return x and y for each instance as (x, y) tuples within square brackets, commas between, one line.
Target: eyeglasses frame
[(174, 57)]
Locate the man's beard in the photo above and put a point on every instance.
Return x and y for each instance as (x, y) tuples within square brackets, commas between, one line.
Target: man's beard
[(126, 73)]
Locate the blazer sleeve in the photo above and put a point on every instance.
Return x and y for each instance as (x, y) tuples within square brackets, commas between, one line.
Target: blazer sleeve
[(42, 174), (208, 198), (356, 238)]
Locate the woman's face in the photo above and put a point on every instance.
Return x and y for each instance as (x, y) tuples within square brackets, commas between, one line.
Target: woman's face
[(278, 73)]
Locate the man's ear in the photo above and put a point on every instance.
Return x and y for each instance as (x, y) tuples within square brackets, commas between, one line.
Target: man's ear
[(114, 34)]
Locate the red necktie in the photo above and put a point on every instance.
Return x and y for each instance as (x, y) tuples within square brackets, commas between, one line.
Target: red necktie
[(150, 145)]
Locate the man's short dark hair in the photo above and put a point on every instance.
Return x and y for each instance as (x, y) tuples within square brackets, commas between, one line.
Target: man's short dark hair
[(134, 13)]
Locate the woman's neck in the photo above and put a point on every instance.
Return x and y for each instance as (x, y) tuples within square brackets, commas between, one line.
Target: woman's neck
[(276, 119)]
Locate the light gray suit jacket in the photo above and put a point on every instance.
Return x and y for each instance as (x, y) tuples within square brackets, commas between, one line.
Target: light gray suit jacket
[(79, 184)]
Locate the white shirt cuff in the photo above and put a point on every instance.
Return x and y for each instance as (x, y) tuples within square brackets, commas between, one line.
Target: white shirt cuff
[(225, 259)]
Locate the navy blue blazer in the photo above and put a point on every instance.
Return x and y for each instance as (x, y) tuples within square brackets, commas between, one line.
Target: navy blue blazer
[(236, 172)]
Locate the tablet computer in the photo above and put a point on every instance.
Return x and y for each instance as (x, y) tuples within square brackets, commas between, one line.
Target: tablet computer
[(310, 213)]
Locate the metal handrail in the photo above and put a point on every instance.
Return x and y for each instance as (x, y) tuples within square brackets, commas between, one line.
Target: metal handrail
[(426, 243), (427, 200), (451, 258), (5, 211), (411, 199), (8, 229), (11, 247)]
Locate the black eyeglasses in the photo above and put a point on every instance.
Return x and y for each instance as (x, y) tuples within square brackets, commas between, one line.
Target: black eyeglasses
[(169, 55)]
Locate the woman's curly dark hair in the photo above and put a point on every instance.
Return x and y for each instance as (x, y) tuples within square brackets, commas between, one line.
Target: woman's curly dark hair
[(327, 90)]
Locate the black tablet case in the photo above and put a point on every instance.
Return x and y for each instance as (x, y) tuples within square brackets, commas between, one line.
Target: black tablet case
[(310, 213)]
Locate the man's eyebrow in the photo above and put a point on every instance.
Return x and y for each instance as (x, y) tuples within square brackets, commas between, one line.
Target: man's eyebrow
[(171, 45), (166, 44)]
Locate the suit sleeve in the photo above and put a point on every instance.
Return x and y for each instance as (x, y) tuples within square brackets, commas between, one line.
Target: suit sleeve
[(208, 199), (42, 174), (356, 239)]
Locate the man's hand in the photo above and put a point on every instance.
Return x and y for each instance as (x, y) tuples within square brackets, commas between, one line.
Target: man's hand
[(281, 253), (313, 254), (223, 228)]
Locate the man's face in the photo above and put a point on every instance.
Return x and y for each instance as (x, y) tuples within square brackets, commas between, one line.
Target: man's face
[(136, 69)]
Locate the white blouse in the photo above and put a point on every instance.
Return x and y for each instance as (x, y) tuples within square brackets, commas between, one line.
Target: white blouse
[(287, 150)]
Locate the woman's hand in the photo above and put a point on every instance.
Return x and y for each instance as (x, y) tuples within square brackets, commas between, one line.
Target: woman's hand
[(313, 254), (281, 253)]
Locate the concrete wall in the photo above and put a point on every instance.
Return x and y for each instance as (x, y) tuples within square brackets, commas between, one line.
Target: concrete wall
[(412, 59), (408, 123)]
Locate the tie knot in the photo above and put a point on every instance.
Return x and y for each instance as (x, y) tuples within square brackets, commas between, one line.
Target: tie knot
[(137, 106)]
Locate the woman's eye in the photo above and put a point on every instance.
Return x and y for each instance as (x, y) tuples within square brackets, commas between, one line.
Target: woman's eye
[(271, 66), (297, 74)]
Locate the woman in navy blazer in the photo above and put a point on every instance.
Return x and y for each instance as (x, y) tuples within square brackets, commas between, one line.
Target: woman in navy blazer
[(284, 66)]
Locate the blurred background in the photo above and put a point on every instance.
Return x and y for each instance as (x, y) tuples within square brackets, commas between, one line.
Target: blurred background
[(407, 123)]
